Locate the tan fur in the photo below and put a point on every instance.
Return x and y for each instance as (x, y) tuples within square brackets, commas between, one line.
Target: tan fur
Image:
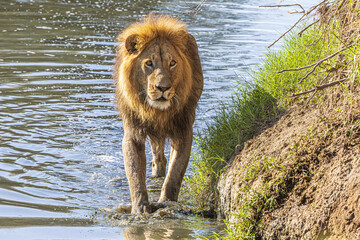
[(159, 81)]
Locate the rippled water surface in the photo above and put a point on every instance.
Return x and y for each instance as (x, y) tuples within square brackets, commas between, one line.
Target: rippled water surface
[(60, 139)]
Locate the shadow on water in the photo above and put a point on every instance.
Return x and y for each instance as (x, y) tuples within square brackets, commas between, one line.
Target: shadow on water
[(60, 139)]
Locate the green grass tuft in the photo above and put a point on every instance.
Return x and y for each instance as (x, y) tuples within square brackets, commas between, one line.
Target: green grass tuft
[(232, 127)]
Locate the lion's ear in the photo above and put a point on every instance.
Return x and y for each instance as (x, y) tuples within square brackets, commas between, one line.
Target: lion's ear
[(131, 43), (192, 47)]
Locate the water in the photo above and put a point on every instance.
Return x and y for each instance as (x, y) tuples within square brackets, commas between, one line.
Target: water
[(60, 139)]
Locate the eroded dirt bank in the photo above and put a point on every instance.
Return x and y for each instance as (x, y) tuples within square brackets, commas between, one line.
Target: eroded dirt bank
[(307, 166)]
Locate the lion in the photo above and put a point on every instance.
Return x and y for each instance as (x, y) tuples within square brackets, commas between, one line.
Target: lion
[(159, 80)]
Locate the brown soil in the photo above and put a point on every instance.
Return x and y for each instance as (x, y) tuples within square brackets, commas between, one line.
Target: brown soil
[(319, 149)]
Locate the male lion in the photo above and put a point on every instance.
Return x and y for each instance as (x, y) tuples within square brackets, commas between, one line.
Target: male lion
[(158, 84)]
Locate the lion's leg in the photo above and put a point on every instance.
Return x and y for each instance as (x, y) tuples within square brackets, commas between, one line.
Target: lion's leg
[(159, 160), (180, 154), (135, 167)]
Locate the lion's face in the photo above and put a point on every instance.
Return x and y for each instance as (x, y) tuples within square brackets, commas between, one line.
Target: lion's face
[(157, 70)]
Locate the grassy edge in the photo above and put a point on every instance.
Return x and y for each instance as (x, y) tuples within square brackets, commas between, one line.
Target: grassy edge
[(217, 143), (251, 107)]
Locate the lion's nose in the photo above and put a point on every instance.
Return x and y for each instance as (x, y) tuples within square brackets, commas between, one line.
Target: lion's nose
[(162, 88)]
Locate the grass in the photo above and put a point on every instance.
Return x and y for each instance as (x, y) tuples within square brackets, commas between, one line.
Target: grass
[(254, 202), (253, 106), (268, 192), (232, 126)]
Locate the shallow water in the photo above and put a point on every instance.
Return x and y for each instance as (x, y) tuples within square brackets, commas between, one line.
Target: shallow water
[(60, 140)]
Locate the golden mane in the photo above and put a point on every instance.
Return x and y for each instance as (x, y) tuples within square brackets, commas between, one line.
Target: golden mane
[(129, 101), (153, 27)]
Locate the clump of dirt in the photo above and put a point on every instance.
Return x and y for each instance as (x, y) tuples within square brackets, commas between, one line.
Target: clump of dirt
[(313, 179)]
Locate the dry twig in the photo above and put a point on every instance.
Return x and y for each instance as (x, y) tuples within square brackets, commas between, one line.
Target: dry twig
[(304, 29), (287, 31), (285, 5), (197, 8), (321, 82), (306, 13), (320, 87), (314, 65)]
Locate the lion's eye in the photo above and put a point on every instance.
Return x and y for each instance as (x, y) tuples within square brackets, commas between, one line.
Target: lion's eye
[(172, 63), (149, 63)]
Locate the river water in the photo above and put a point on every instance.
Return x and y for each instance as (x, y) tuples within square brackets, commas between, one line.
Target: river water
[(60, 139)]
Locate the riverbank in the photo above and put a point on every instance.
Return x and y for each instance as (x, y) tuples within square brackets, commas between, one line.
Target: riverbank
[(282, 160)]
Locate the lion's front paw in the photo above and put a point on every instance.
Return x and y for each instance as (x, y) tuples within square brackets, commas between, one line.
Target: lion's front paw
[(158, 170), (144, 208), (163, 198)]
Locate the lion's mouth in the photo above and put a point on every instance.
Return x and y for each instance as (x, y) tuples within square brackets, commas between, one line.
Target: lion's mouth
[(162, 99), (161, 103)]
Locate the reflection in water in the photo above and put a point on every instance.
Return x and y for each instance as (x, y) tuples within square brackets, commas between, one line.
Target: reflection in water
[(141, 233), (60, 154), (137, 233), (171, 229)]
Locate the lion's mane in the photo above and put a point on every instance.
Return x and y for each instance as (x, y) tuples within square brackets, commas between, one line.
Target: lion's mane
[(131, 106)]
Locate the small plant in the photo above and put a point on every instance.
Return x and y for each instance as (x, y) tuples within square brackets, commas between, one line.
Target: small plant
[(253, 202)]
